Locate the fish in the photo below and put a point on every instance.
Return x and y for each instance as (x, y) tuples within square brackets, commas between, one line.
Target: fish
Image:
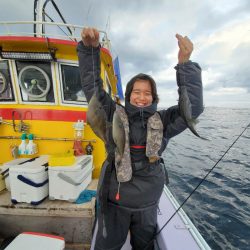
[(118, 133), (186, 111), (97, 118)]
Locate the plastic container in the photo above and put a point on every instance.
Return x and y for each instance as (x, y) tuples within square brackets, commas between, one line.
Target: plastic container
[(2, 182), (79, 129), (66, 183), (66, 159), (23, 145), (5, 170), (29, 181), (31, 147), (36, 241)]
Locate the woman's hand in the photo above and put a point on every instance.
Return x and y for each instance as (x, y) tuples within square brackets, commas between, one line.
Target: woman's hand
[(185, 48), (90, 37)]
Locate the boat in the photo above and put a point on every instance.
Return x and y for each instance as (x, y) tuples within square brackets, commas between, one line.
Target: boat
[(40, 94)]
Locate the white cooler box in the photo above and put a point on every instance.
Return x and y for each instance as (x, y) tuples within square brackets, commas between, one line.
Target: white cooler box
[(36, 241), (2, 182), (29, 181), (5, 169), (66, 183)]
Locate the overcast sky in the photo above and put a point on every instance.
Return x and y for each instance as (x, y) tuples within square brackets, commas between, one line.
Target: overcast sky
[(142, 34)]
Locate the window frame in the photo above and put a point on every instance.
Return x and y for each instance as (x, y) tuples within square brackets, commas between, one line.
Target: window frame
[(12, 83), (35, 102), (60, 85)]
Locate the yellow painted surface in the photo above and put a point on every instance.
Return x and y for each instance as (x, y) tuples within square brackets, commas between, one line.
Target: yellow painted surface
[(53, 129), (64, 51)]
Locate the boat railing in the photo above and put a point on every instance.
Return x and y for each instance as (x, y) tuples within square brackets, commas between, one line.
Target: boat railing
[(75, 30)]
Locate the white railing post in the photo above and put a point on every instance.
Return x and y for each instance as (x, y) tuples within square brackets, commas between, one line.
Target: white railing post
[(39, 12)]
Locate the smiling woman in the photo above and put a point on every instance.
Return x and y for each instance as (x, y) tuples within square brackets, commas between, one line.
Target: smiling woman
[(51, 95), (141, 95), (141, 89), (131, 182)]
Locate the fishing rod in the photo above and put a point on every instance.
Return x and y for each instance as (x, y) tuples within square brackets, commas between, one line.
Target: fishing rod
[(204, 178)]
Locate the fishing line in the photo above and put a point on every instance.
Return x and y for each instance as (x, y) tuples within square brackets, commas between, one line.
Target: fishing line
[(93, 66), (197, 186), (89, 9)]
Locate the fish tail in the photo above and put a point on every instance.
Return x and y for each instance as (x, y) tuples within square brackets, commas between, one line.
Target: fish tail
[(191, 127)]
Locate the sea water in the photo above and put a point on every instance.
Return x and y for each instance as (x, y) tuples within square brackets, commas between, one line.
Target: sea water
[(220, 208)]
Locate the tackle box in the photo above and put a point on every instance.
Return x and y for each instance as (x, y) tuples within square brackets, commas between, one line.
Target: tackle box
[(66, 159), (36, 241), (29, 181), (67, 182)]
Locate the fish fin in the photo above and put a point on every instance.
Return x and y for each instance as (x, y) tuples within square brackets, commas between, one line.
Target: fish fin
[(192, 128), (195, 121), (203, 138)]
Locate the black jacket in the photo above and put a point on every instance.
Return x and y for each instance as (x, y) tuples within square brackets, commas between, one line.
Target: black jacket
[(146, 185)]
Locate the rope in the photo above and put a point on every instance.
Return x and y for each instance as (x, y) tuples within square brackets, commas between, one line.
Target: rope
[(93, 65)]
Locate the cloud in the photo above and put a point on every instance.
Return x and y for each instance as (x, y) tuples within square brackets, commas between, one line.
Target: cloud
[(143, 32), (224, 56)]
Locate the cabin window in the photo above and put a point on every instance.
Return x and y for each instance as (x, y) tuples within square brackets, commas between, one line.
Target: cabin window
[(71, 84), (35, 81), (6, 88)]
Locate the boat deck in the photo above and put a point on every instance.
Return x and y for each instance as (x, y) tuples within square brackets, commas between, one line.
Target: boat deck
[(179, 234), (72, 221)]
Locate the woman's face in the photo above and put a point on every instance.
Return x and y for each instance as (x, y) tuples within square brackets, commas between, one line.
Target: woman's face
[(141, 95)]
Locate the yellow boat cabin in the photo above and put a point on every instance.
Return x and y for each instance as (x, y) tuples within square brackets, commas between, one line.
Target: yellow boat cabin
[(40, 94)]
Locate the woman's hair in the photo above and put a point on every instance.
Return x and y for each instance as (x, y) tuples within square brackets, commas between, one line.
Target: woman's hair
[(139, 77)]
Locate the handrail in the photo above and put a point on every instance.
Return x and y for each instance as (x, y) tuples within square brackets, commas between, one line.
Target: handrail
[(8, 137), (73, 27)]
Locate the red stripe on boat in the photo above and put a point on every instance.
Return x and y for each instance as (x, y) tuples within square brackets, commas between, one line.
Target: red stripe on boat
[(44, 40), (137, 146), (43, 114), (37, 39), (45, 235)]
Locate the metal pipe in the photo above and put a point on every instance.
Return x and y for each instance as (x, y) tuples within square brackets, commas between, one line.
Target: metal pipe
[(47, 23), (46, 139)]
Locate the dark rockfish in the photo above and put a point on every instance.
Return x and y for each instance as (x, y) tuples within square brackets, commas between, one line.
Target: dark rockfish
[(97, 118), (186, 111), (118, 133)]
